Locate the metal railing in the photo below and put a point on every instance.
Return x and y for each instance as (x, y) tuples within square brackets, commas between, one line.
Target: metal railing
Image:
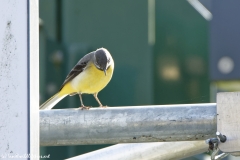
[(144, 151), (162, 123)]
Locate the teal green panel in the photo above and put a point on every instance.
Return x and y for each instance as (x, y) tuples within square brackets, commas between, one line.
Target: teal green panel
[(121, 27), (47, 12), (181, 54), (42, 63)]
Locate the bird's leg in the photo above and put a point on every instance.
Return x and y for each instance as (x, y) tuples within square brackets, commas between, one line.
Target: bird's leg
[(82, 105), (100, 104)]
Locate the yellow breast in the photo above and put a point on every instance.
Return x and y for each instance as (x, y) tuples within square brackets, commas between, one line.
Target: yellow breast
[(91, 80)]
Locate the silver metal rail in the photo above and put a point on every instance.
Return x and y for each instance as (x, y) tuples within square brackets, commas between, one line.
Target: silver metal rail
[(187, 122), (143, 151)]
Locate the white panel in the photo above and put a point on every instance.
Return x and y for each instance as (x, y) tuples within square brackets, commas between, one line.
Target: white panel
[(14, 79), (228, 122), (33, 73)]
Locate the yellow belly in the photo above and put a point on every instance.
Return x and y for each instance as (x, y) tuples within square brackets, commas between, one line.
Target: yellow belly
[(91, 80)]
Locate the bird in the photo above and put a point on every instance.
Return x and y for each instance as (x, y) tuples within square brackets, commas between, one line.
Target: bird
[(89, 76)]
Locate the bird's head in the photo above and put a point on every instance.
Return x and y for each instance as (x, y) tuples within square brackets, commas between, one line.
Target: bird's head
[(102, 59)]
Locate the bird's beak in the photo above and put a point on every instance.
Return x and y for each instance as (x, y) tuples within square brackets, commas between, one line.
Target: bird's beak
[(105, 72)]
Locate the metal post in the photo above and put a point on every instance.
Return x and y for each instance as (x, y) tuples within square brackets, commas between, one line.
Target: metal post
[(142, 151), (113, 125), (19, 115)]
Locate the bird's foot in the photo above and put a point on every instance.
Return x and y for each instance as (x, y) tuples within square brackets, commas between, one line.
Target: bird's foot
[(84, 108), (103, 106)]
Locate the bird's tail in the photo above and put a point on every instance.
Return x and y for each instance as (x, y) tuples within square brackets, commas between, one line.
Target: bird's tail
[(51, 102)]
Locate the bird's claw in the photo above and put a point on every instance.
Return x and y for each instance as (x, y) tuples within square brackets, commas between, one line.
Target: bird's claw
[(103, 106), (84, 108)]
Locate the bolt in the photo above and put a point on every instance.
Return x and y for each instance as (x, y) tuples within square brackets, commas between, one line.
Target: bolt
[(222, 138)]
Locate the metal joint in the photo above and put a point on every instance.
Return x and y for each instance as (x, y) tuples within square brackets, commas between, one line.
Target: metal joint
[(213, 146), (221, 137)]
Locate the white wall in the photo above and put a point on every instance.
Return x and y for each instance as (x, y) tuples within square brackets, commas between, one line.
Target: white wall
[(18, 78)]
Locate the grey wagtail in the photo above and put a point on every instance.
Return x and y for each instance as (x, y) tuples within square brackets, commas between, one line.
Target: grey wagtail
[(89, 76)]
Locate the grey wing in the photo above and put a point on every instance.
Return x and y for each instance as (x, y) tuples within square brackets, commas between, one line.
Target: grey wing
[(78, 68)]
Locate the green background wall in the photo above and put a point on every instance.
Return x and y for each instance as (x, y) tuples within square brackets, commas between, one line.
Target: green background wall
[(174, 70), (180, 55)]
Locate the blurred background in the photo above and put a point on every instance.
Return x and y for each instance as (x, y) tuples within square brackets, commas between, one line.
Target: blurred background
[(165, 52)]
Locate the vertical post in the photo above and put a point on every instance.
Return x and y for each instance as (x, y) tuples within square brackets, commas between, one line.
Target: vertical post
[(19, 80)]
